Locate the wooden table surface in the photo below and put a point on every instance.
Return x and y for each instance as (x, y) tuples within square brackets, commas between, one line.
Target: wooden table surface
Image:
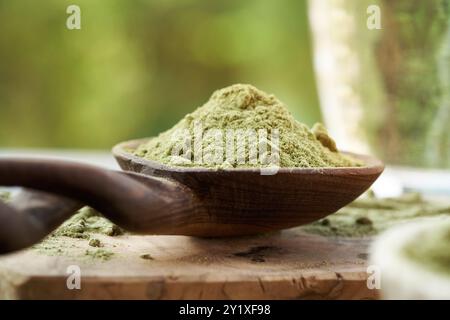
[(283, 265)]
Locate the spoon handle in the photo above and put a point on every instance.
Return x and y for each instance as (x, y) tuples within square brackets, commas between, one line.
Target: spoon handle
[(30, 216), (135, 202)]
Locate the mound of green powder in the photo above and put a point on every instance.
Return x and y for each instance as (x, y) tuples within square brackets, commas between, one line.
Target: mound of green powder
[(244, 107), (83, 225), (368, 216), (432, 249)]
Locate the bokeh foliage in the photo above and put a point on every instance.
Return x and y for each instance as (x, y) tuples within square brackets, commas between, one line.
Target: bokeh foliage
[(136, 67)]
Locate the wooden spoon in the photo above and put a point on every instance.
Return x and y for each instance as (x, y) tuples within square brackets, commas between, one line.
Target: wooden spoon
[(158, 199)]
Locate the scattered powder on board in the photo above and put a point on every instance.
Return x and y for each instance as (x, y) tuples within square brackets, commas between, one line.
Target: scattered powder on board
[(95, 243), (83, 225), (101, 254), (243, 107), (369, 215)]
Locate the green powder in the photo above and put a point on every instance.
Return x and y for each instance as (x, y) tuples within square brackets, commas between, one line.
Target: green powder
[(4, 196), (54, 246), (432, 249), (369, 216), (243, 107), (101, 254), (83, 225), (95, 243)]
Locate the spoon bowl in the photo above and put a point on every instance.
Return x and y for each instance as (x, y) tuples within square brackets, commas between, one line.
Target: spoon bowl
[(232, 202)]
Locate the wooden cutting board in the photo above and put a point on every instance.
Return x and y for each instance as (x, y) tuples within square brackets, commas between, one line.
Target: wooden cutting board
[(284, 265)]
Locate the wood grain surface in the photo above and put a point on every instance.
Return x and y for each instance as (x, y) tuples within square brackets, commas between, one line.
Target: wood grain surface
[(283, 265)]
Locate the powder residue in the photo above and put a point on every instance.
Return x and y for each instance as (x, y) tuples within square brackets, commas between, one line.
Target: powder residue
[(95, 242), (432, 249), (83, 226), (368, 216), (101, 254), (244, 107)]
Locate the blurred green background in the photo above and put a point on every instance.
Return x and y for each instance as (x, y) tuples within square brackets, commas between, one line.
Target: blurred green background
[(136, 67)]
